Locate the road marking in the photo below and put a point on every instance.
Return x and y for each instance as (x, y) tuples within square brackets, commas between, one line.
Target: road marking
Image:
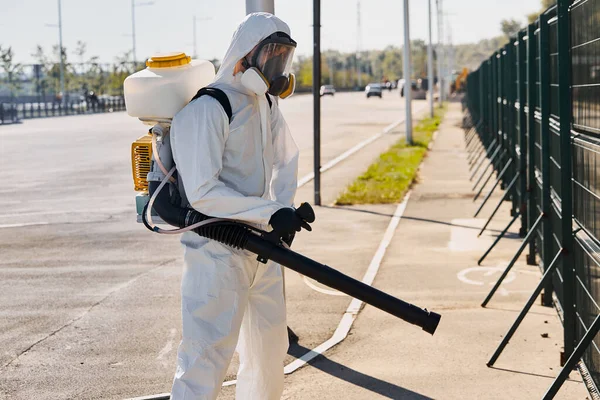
[(59, 212), (91, 211), (168, 346), (463, 238), (355, 305), (2, 226), (487, 271), (309, 177)]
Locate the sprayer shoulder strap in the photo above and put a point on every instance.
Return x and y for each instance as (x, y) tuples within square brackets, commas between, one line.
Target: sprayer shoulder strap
[(269, 100), (222, 98), (218, 95)]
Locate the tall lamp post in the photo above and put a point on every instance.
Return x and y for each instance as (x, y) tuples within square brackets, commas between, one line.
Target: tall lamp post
[(133, 6), (260, 6), (407, 75), (430, 63), (60, 52)]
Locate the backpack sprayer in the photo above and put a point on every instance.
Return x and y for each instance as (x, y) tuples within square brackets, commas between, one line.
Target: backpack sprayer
[(155, 95)]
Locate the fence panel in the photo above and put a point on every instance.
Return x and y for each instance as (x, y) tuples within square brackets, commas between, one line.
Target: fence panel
[(543, 106)]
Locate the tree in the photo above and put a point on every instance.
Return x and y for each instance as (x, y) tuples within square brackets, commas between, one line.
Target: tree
[(546, 4), (392, 63), (51, 67), (12, 70), (510, 27), (80, 50), (121, 70)]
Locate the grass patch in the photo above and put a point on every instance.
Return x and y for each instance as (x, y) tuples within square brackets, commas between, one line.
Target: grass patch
[(387, 180)]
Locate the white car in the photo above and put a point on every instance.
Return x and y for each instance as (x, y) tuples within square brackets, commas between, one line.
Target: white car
[(327, 90), (373, 89)]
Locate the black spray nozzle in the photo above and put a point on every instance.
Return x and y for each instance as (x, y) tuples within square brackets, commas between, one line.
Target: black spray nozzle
[(431, 323)]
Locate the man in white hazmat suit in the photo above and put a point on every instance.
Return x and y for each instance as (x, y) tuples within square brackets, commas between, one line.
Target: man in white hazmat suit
[(243, 169)]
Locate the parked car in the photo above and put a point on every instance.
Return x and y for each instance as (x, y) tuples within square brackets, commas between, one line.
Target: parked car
[(373, 89), (327, 90), (419, 91)]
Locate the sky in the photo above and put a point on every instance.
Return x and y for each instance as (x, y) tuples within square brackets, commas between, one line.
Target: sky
[(167, 25)]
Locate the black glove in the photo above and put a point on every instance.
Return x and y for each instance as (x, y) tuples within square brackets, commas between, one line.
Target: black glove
[(288, 221), (306, 212)]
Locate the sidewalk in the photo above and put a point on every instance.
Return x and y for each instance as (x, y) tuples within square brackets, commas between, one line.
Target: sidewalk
[(432, 262)]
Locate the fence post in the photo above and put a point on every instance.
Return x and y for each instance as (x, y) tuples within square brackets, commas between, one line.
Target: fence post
[(564, 107), (522, 121), (532, 211), (544, 96), (513, 120)]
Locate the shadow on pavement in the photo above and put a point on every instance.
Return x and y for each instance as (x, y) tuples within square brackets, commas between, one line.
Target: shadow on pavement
[(518, 310), (349, 375), (532, 374), (508, 235)]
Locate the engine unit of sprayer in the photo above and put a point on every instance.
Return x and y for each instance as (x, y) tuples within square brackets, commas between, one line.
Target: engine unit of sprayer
[(154, 95), (141, 165)]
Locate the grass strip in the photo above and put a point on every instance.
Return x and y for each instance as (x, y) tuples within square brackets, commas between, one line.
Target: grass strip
[(388, 179)]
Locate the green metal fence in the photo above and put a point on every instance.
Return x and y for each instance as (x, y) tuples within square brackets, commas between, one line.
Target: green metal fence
[(534, 111)]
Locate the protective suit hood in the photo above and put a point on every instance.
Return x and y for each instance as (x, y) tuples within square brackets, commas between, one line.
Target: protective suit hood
[(253, 29)]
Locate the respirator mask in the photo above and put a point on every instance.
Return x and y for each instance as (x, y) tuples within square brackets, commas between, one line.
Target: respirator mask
[(268, 66)]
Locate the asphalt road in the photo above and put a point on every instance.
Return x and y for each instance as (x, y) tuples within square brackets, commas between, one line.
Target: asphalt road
[(89, 299)]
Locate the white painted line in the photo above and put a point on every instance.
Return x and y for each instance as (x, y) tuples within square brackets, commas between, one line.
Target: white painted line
[(56, 212), (355, 305), (309, 177), (91, 211), (2, 226), (316, 288), (168, 346), (485, 271)]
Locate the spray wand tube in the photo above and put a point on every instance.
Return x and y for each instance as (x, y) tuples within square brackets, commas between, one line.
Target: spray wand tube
[(336, 280), (269, 246)]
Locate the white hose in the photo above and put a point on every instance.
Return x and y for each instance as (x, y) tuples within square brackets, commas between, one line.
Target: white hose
[(168, 176)]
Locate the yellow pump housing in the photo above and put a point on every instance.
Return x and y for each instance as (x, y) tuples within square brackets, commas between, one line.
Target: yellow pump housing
[(141, 159)]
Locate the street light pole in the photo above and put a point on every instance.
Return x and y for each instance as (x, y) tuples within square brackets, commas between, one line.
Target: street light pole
[(440, 51), (60, 54), (407, 75), (133, 6), (317, 99), (358, 45), (260, 6), (430, 63), (195, 48), (133, 31)]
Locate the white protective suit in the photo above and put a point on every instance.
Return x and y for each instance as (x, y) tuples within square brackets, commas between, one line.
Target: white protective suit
[(244, 170)]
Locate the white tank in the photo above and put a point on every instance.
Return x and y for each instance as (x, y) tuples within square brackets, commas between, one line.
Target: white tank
[(168, 83)]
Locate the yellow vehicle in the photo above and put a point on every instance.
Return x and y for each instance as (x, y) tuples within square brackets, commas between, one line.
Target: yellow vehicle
[(459, 81)]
